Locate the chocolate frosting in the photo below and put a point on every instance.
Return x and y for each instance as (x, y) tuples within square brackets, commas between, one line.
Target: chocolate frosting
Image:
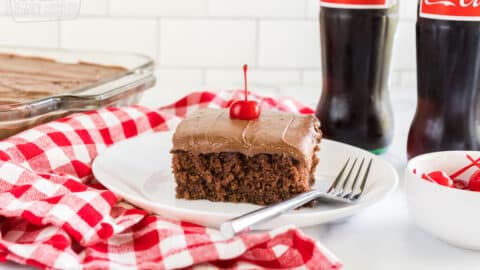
[(29, 78), (212, 131)]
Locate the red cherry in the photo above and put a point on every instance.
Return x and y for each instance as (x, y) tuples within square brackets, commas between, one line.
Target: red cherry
[(474, 182), (460, 184), (426, 178), (245, 110), (441, 178)]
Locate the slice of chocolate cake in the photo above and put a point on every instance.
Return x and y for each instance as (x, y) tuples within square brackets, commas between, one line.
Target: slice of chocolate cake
[(261, 161)]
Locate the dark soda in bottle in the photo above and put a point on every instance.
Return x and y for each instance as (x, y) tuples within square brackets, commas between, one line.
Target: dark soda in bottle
[(356, 43), (448, 74)]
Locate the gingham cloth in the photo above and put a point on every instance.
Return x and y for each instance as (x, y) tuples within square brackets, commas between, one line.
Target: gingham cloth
[(54, 214)]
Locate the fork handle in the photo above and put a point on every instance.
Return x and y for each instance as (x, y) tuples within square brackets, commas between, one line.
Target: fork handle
[(245, 222)]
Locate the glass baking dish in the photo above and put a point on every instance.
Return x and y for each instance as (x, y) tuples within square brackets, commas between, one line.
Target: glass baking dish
[(121, 90)]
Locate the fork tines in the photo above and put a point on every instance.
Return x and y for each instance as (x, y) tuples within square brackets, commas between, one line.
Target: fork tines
[(352, 186)]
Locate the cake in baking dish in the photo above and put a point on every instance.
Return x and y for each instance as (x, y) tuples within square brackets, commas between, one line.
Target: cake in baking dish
[(260, 161), (25, 78)]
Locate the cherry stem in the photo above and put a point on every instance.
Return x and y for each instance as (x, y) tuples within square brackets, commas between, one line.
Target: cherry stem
[(475, 162), (245, 68)]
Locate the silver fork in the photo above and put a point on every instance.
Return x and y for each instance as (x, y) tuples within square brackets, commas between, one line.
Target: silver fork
[(342, 190)]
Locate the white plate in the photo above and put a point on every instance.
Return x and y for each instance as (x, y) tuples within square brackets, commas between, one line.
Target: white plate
[(139, 170)]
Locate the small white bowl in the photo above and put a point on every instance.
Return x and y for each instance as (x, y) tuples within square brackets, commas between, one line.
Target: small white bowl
[(450, 214)]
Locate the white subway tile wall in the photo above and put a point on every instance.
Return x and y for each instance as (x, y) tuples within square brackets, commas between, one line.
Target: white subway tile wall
[(256, 8), (312, 9), (157, 7), (206, 43), (262, 77), (312, 76), (203, 43), (136, 35), (44, 34), (287, 43), (96, 7), (4, 7), (404, 56)]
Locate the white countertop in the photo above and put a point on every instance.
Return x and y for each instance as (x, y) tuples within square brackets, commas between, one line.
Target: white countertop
[(383, 236)]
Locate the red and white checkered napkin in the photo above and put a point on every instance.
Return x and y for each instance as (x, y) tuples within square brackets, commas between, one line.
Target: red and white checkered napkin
[(55, 215)]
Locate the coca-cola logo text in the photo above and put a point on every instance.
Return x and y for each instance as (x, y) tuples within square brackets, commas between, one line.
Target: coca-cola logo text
[(462, 3), (457, 8)]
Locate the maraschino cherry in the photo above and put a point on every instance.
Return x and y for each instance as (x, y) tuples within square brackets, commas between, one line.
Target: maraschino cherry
[(474, 182), (439, 177), (245, 109)]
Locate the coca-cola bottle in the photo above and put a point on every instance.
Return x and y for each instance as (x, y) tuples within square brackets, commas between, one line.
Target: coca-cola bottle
[(356, 44), (448, 71)]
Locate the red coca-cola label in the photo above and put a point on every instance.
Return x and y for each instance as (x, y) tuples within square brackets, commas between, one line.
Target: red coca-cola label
[(358, 3), (463, 10)]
